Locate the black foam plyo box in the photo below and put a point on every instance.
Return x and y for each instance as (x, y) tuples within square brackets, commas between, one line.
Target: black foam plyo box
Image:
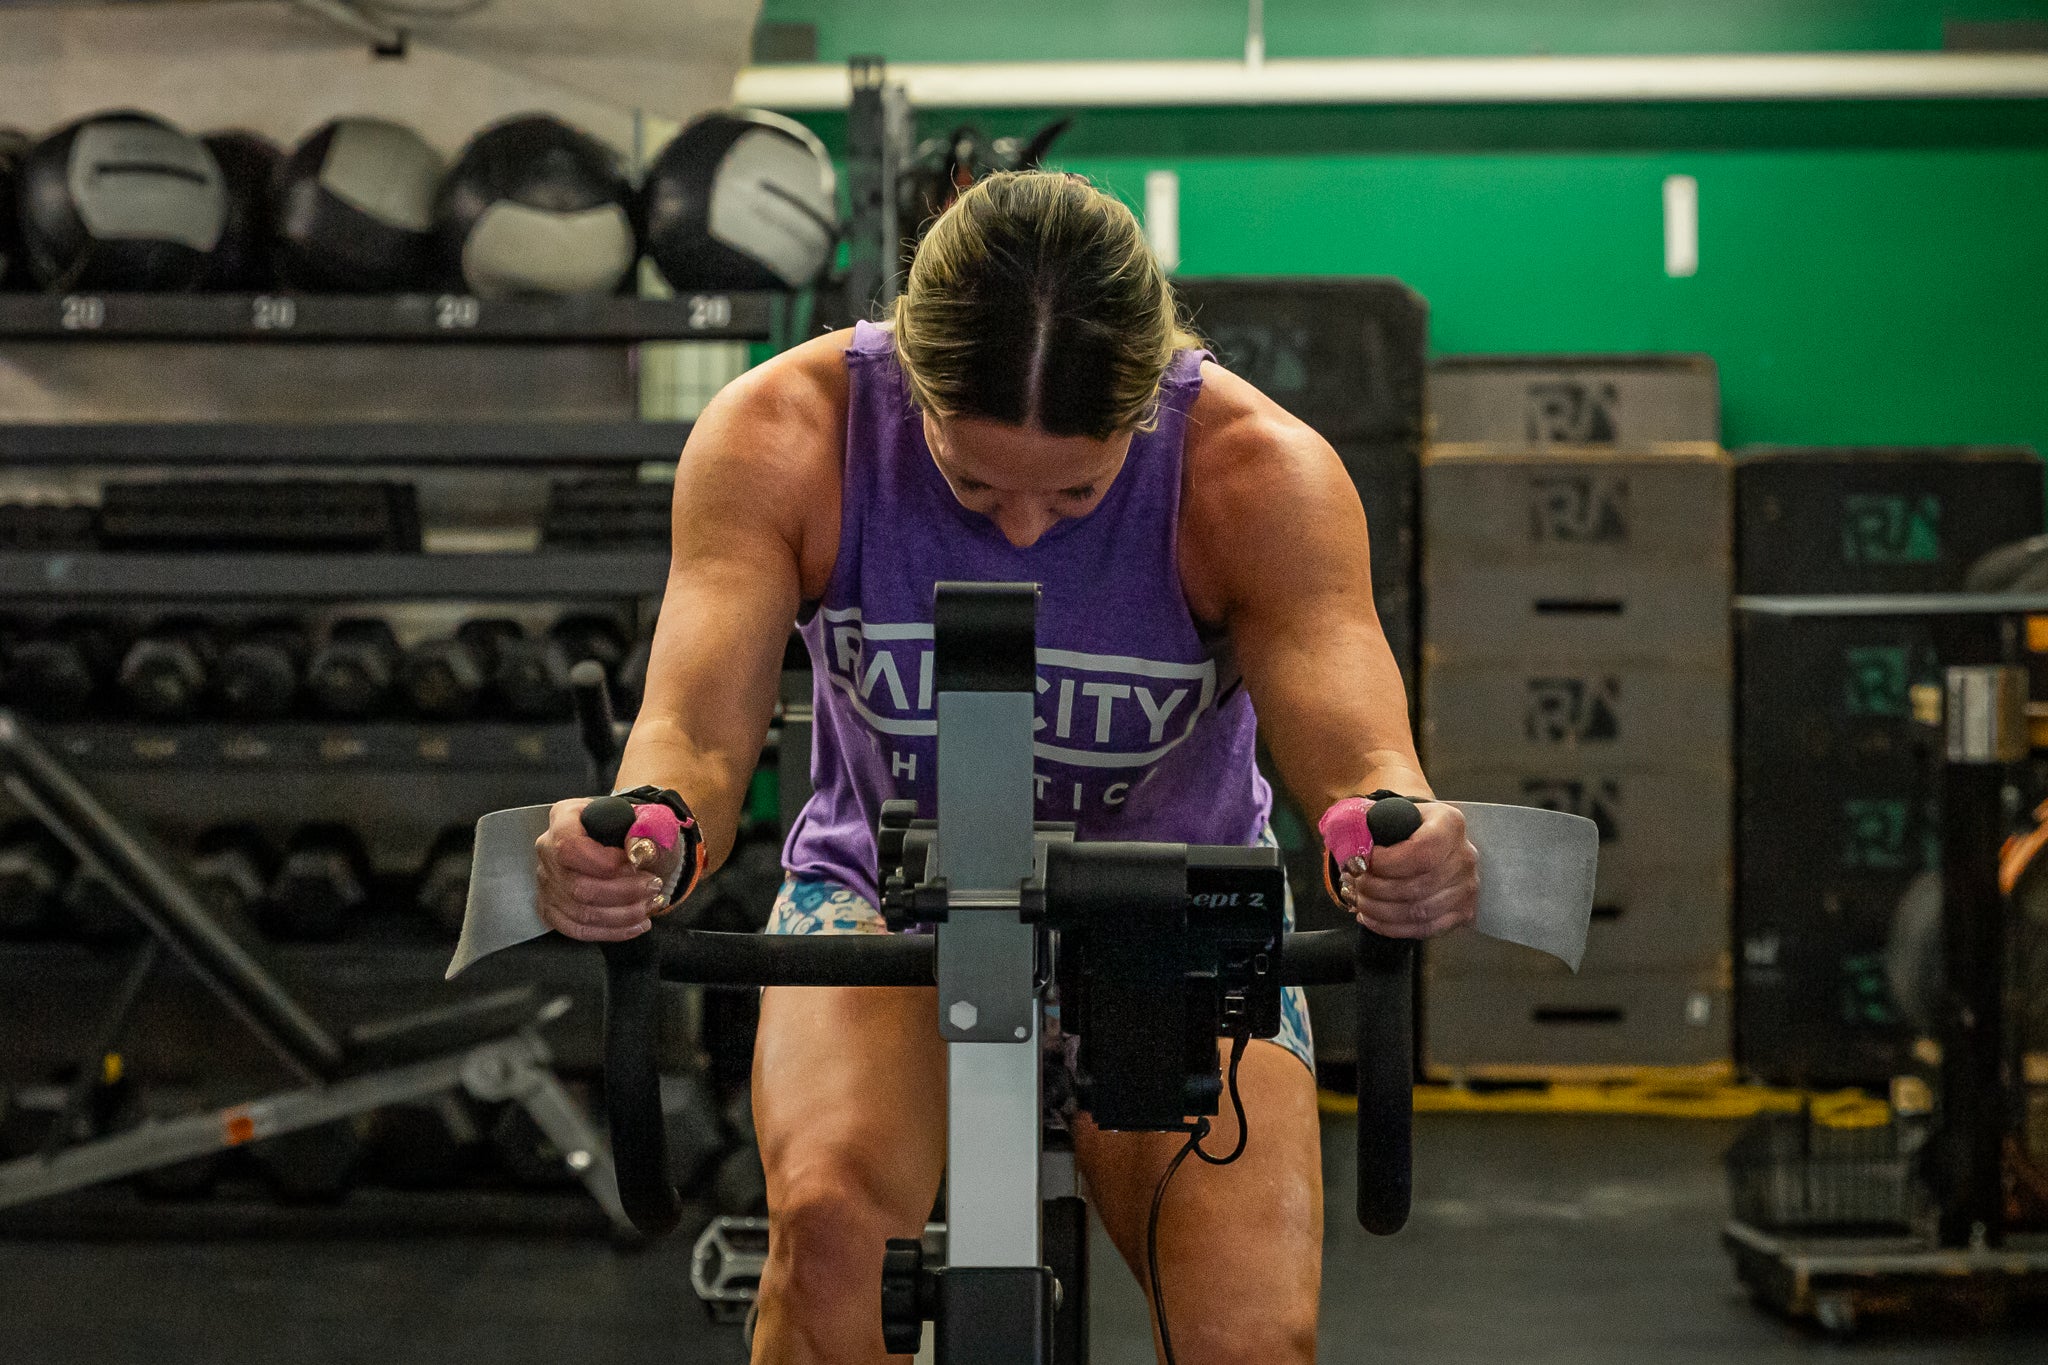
[(1877, 519), (1346, 354)]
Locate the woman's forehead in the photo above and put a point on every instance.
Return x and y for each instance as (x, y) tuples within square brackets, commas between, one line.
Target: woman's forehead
[(1024, 458)]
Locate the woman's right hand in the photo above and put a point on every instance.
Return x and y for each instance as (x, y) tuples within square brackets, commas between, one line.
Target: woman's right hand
[(588, 890)]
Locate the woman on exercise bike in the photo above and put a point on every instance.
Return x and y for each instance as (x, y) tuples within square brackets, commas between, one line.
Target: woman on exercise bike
[(1033, 411)]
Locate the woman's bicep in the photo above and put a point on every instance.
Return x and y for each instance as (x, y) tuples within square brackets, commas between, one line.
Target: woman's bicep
[(1296, 567)]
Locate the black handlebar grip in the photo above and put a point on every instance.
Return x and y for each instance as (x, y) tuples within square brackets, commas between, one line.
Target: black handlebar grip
[(632, 1030), (1392, 819), (607, 820), (1385, 987)]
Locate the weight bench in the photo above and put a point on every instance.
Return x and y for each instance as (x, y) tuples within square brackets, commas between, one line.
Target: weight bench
[(486, 1045)]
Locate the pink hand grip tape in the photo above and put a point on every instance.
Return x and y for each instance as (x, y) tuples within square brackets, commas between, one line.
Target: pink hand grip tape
[(658, 824), (1345, 832)]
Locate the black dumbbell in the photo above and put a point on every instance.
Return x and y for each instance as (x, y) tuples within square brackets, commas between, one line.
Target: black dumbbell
[(259, 674), (97, 911), (354, 671), (231, 870), (322, 883), (192, 1178), (165, 673), (532, 680), (416, 1145), (312, 1165), (442, 890), (528, 679), (33, 869), (60, 673), (444, 678)]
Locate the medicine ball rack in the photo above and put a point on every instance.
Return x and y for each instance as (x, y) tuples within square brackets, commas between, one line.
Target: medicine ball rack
[(168, 775)]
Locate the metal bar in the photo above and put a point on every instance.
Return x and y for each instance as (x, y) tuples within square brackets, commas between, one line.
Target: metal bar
[(867, 181), (528, 1080), (1318, 957), (987, 958), (1971, 1026), (353, 443), (559, 573), (1422, 80), (992, 1130), (402, 317), (1899, 604), (160, 1144)]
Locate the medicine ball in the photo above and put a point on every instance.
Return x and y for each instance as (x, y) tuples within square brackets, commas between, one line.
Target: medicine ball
[(740, 199), (120, 201), (241, 260), (355, 209), (14, 149), (534, 206)]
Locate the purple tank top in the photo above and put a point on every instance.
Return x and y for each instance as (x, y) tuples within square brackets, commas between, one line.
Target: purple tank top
[(1144, 729)]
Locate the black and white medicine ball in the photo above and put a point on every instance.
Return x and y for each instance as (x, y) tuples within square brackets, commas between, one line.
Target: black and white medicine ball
[(533, 206), (240, 262), (14, 149), (355, 209), (120, 201), (740, 199)]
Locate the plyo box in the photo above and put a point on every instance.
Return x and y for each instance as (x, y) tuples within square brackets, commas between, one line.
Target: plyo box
[(1837, 812), (1813, 1001), (1878, 519), (1605, 555), (1651, 920), (1346, 354), (1575, 399), (1536, 1026), (1386, 474), (1654, 502), (1661, 894), (1567, 710)]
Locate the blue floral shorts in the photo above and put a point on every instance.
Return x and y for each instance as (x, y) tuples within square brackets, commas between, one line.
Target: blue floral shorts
[(808, 906)]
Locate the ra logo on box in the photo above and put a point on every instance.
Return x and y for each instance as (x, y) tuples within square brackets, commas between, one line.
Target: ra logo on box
[(1578, 509), (1564, 411), (1573, 710)]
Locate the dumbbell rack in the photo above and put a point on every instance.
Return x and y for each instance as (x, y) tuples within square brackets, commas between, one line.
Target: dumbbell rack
[(176, 776)]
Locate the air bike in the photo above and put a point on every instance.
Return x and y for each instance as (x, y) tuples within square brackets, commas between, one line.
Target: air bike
[(1156, 950)]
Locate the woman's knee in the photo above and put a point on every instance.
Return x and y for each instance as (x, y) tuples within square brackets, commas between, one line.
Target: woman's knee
[(1282, 1334), (828, 1226)]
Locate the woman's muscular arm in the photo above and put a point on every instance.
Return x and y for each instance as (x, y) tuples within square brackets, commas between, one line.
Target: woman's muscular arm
[(1274, 545), (756, 518)]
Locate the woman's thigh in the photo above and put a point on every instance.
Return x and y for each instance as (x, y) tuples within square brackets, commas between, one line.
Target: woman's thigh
[(1240, 1246), (850, 1089)]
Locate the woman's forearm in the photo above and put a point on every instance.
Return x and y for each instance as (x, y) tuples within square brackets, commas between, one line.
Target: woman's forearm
[(714, 781)]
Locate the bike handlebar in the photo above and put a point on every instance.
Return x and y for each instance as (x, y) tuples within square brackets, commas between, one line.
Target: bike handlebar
[(1381, 970)]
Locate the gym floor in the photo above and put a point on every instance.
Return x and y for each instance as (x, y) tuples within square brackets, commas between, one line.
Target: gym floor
[(1534, 1240)]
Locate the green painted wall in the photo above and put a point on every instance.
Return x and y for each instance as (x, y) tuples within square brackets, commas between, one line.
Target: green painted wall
[(1868, 272)]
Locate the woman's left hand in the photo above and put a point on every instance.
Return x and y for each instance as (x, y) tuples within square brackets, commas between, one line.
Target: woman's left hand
[(1423, 886)]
